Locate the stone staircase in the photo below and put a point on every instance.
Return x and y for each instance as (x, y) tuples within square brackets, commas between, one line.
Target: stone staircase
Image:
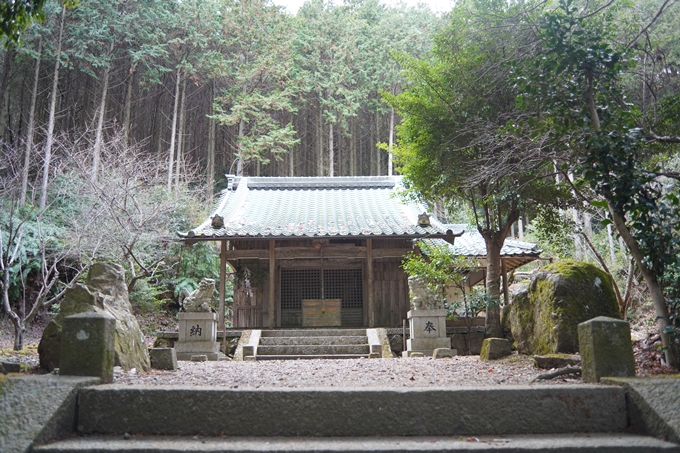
[(326, 343), (519, 419)]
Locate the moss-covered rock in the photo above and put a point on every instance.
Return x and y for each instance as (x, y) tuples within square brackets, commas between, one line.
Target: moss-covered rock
[(544, 317), (505, 323)]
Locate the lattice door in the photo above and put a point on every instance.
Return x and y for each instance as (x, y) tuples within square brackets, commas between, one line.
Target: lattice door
[(344, 284)]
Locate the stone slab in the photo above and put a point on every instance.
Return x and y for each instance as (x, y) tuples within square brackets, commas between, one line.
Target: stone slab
[(567, 443), (37, 409), (654, 405), (204, 410), (556, 360)]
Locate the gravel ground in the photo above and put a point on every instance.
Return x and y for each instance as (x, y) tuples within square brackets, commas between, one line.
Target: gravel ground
[(415, 372)]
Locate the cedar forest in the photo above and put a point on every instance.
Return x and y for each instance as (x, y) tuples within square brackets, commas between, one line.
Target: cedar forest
[(555, 120)]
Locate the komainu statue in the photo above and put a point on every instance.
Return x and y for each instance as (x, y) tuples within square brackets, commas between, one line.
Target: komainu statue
[(422, 297), (199, 299)]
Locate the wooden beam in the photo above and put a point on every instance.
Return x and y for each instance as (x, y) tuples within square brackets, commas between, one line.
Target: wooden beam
[(312, 253), (369, 282), (247, 254), (222, 289), (390, 253), (272, 284)]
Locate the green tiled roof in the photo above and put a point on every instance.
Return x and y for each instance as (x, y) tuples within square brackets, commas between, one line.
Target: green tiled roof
[(267, 207), (472, 244)]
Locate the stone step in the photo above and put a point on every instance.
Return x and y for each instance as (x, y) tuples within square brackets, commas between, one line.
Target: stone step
[(326, 340), (313, 332), (313, 349), (572, 443), (215, 411), (308, 356)]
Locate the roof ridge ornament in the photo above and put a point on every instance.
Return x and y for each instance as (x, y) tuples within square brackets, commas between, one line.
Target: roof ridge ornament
[(217, 221)]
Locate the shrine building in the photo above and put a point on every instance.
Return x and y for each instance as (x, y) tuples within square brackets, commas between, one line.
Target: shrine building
[(312, 251)]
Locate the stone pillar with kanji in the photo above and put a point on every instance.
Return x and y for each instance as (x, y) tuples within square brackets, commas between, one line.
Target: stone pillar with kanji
[(428, 331), (426, 321), (197, 335), (198, 325)]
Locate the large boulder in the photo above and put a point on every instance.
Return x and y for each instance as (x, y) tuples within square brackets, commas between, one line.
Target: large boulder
[(104, 292), (545, 315)]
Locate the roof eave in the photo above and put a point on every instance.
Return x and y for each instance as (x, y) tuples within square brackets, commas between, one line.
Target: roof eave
[(189, 237)]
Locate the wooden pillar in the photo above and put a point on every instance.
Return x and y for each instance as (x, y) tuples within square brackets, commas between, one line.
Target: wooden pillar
[(369, 282), (222, 289), (272, 285), (504, 273)]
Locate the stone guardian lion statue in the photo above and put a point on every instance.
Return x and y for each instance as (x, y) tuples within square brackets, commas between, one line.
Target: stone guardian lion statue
[(422, 297), (199, 299)]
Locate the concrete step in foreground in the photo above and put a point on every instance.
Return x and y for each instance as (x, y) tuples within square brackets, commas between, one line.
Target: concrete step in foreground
[(566, 443), (327, 412)]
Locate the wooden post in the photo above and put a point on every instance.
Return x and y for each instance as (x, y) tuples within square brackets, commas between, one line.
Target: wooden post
[(272, 284), (223, 284), (504, 271), (369, 281)]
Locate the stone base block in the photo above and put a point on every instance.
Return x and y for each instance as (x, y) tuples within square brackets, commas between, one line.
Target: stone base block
[(427, 345), (606, 349), (186, 356), (198, 347), (87, 346), (163, 358), (550, 361)]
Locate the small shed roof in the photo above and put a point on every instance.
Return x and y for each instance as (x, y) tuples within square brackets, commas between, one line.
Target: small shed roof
[(471, 244), (319, 207)]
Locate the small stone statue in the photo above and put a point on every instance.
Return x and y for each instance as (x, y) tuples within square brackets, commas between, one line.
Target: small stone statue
[(199, 300), (422, 297)]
